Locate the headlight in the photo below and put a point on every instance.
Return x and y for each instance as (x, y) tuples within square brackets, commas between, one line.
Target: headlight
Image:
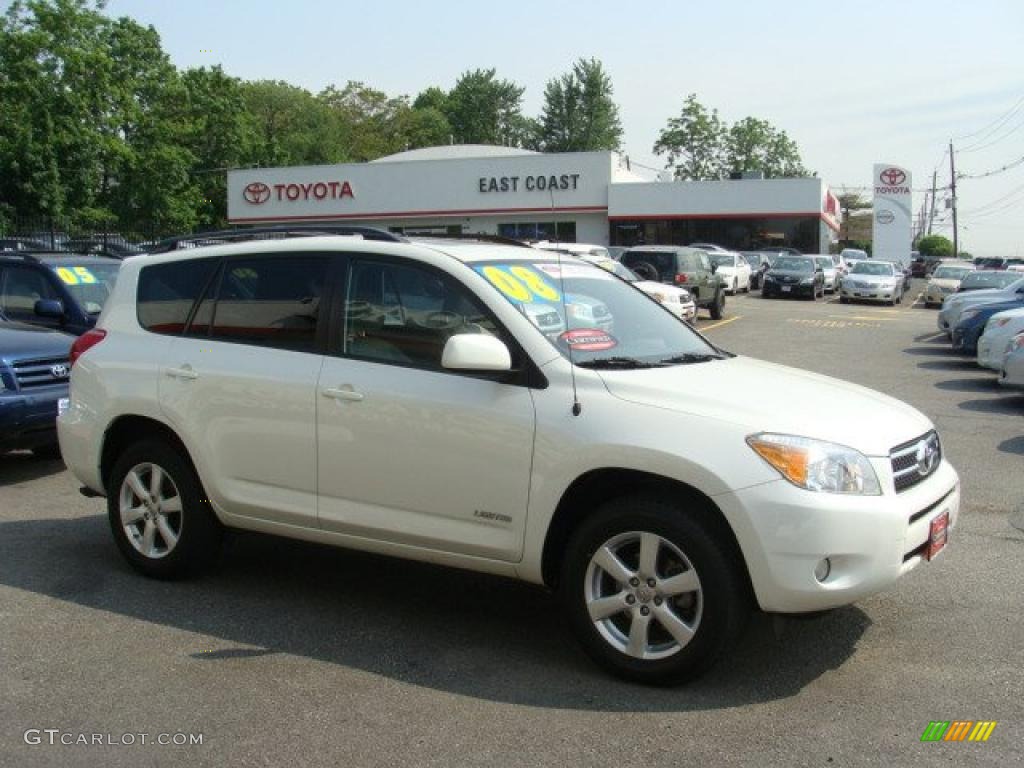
[(769, 279), (807, 281), (967, 314), (816, 465)]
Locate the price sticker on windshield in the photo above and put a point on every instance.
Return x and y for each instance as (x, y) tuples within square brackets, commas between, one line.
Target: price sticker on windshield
[(588, 340), (520, 283), (76, 275)]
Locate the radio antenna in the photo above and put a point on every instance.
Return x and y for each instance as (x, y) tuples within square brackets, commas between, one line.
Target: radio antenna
[(577, 409)]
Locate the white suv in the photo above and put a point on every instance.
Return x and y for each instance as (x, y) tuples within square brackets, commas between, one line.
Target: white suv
[(398, 397)]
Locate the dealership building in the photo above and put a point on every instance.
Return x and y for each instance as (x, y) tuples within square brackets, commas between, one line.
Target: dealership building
[(589, 197)]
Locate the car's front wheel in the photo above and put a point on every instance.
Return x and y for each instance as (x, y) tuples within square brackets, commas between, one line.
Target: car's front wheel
[(160, 518), (651, 590)]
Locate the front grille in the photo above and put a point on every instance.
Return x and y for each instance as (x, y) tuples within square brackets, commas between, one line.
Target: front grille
[(915, 460), (41, 372)]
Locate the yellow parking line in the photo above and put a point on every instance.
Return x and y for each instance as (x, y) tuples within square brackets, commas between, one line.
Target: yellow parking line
[(721, 323), (861, 317)]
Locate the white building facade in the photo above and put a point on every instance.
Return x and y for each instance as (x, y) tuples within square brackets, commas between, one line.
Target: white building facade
[(591, 197)]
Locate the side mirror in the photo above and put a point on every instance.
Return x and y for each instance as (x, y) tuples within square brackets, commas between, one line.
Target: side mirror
[(476, 352), (52, 308)]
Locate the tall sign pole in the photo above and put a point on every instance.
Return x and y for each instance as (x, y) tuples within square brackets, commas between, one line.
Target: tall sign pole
[(892, 219), (952, 183)]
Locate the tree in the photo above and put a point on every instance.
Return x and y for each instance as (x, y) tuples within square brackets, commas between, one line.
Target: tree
[(849, 202), (292, 126), (484, 110), (221, 134), (694, 142), (431, 98), (935, 245), (579, 114), (756, 145), (424, 127)]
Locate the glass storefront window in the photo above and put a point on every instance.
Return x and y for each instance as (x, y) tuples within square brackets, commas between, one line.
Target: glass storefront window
[(739, 234)]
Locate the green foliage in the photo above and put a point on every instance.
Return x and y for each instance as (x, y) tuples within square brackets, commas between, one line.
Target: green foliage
[(694, 142), (579, 114), (484, 110), (700, 146), (935, 245)]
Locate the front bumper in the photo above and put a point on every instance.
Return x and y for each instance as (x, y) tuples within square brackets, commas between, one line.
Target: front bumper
[(29, 420), (990, 352), (871, 293), (870, 541), (787, 289), (966, 339)]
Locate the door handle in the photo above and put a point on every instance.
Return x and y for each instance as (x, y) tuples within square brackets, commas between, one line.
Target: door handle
[(341, 393), (186, 372)]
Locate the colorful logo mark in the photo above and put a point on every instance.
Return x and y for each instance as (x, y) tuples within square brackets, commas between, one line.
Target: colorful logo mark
[(958, 730)]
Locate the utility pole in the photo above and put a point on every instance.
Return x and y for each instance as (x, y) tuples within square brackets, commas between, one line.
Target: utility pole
[(931, 213), (952, 183)]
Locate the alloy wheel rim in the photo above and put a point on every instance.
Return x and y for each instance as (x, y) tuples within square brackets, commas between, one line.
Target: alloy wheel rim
[(643, 595), (150, 508)]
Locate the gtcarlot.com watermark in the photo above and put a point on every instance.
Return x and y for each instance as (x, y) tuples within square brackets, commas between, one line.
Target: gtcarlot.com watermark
[(56, 737)]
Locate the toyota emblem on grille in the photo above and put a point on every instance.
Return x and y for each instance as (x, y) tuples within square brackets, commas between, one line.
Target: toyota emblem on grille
[(927, 455), (256, 193), (59, 371)]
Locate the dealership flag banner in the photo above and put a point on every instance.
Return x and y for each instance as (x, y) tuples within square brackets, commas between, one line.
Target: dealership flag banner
[(892, 220)]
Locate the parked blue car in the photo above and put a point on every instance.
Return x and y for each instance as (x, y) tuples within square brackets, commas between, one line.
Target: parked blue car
[(34, 373), (972, 324)]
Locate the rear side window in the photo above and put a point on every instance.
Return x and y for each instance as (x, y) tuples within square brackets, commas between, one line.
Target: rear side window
[(652, 265), (168, 291), (270, 302)]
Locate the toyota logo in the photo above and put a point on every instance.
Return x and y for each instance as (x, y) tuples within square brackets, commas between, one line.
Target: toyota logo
[(892, 177), (256, 193), (927, 456), (59, 371), (885, 216)]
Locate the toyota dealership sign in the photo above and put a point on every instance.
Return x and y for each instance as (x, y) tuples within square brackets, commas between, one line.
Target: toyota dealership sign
[(892, 213)]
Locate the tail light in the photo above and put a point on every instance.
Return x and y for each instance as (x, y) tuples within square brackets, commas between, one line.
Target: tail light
[(85, 342), (681, 278)]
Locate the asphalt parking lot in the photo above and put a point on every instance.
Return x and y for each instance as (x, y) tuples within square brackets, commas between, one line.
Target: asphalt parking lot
[(294, 654)]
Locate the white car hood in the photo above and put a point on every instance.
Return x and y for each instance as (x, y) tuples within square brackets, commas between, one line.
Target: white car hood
[(944, 282), (788, 401), (872, 279)]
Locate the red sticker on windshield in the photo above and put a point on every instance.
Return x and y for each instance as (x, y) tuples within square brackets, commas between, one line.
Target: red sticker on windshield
[(588, 340)]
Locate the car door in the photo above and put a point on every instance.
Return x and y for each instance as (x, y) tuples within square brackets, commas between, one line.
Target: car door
[(409, 452), (240, 385)]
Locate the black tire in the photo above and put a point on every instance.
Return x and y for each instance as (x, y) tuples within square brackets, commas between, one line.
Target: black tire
[(717, 308), (200, 532), (843, 300), (48, 452), (646, 270), (722, 603)]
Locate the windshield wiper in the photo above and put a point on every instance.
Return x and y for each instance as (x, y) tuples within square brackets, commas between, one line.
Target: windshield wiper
[(617, 362), (691, 357)]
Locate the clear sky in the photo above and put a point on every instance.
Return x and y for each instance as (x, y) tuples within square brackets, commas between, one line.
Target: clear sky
[(851, 83)]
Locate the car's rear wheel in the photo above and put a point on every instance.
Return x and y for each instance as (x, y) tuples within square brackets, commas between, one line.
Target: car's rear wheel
[(651, 591), (717, 308), (158, 513)]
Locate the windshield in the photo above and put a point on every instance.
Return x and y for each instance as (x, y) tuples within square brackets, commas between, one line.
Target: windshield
[(825, 262), (990, 279), (610, 324), (950, 273), (624, 272), (853, 253), (989, 263), (753, 259), (882, 268), (89, 284), (793, 264), (722, 259)]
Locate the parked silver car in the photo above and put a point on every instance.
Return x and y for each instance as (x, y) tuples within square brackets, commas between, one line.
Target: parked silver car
[(828, 266), (873, 280)]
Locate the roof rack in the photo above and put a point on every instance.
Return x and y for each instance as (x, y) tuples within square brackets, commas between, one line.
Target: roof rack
[(269, 233), (484, 238)]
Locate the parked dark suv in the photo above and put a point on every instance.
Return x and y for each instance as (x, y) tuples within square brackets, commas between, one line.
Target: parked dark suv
[(689, 268), (34, 373), (62, 291)]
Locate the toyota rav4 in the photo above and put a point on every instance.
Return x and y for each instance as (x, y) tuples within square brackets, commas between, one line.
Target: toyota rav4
[(402, 397)]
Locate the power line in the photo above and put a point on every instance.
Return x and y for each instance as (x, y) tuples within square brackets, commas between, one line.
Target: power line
[(990, 141), (994, 124), (994, 172)]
